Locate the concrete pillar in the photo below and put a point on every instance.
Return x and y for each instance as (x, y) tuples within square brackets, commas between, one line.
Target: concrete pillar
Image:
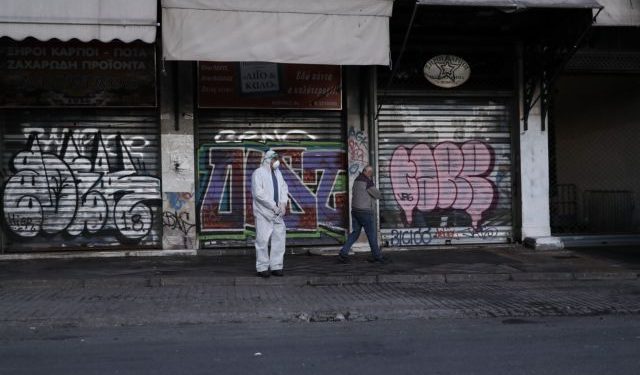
[(357, 123), (358, 140), (178, 171), (534, 174)]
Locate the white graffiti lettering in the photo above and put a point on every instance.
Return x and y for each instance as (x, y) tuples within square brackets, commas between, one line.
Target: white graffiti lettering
[(71, 192), (232, 136), (410, 237)]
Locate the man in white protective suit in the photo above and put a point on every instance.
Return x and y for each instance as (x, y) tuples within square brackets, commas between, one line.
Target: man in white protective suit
[(270, 194)]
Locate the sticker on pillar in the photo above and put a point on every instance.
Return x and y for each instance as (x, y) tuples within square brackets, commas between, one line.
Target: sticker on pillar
[(447, 71)]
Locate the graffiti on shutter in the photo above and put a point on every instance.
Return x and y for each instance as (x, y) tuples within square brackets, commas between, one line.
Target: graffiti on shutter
[(314, 171), (79, 183), (445, 172)]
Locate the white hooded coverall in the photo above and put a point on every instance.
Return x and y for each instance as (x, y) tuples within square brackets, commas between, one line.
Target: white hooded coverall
[(269, 215)]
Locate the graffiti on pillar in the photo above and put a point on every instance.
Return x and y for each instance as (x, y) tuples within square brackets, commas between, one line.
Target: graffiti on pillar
[(314, 171), (358, 151), (448, 176), (74, 186), (178, 221)]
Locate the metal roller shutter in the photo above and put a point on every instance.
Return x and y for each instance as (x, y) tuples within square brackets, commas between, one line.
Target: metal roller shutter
[(231, 146), (445, 171), (78, 179)]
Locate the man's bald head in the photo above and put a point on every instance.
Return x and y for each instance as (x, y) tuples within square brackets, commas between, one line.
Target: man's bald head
[(367, 171)]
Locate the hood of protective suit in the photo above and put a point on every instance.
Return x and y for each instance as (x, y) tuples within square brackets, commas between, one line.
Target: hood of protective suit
[(266, 161)]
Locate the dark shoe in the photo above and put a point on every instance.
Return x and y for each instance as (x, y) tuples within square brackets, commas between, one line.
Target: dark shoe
[(278, 273), (263, 274), (343, 259), (381, 260)]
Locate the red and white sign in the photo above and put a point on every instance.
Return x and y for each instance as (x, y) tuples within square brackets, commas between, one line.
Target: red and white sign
[(269, 85)]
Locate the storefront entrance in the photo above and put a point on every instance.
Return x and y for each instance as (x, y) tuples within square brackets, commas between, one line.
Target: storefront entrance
[(240, 117), (445, 171)]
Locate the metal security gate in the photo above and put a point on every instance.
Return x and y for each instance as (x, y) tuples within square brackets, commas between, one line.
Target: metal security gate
[(445, 171), (594, 167), (231, 146), (80, 179)]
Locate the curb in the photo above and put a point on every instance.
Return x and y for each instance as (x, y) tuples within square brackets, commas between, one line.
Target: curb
[(477, 277), (543, 276), (296, 280), (606, 276)]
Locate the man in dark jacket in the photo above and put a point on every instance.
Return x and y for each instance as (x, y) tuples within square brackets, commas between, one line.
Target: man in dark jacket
[(363, 196)]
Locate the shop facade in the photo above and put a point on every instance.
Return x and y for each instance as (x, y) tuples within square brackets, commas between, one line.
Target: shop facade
[(446, 155), (461, 130), (244, 109), (593, 130), (80, 135), (149, 141)]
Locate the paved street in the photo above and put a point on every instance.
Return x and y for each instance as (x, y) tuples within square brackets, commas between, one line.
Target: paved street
[(566, 346), (495, 312)]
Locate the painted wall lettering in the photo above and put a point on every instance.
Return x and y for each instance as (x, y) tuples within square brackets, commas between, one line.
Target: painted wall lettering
[(446, 176), (358, 151), (68, 186), (433, 235), (233, 136), (178, 220), (316, 177)]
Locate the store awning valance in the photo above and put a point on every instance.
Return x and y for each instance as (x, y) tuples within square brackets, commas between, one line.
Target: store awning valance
[(336, 32), (103, 20), (619, 13), (517, 4)]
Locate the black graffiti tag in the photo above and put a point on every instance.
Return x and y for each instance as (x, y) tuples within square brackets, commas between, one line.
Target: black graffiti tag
[(175, 220)]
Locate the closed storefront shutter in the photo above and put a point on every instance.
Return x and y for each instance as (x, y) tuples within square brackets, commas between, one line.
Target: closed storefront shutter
[(80, 179), (313, 149), (445, 170)]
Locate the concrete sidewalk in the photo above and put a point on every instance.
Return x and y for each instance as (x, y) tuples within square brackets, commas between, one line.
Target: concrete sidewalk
[(454, 265)]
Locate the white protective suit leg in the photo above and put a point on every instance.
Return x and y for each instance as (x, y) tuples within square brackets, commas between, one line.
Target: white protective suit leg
[(264, 228), (278, 240)]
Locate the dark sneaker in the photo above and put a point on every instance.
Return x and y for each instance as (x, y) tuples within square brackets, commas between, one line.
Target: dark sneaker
[(381, 260), (263, 274), (278, 273), (343, 259)]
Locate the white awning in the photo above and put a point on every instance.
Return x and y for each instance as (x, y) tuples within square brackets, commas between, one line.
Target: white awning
[(103, 20), (519, 4), (619, 13), (336, 32)]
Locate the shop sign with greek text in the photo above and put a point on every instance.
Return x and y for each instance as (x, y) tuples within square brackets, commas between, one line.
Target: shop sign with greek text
[(269, 85), (77, 74)]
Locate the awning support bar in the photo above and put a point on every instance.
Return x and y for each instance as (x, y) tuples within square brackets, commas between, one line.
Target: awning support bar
[(394, 66), (547, 82)]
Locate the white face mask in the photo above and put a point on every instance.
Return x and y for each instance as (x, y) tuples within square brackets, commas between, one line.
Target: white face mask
[(275, 164)]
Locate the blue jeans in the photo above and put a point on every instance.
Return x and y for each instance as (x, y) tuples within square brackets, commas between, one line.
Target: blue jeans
[(358, 220)]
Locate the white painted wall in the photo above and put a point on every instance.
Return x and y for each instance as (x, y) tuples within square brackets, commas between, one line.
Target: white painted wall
[(534, 174)]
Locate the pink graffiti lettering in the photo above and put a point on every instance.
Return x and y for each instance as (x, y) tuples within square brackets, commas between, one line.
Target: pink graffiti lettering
[(449, 176)]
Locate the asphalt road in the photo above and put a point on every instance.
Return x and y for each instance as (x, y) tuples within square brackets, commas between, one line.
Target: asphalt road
[(567, 345)]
